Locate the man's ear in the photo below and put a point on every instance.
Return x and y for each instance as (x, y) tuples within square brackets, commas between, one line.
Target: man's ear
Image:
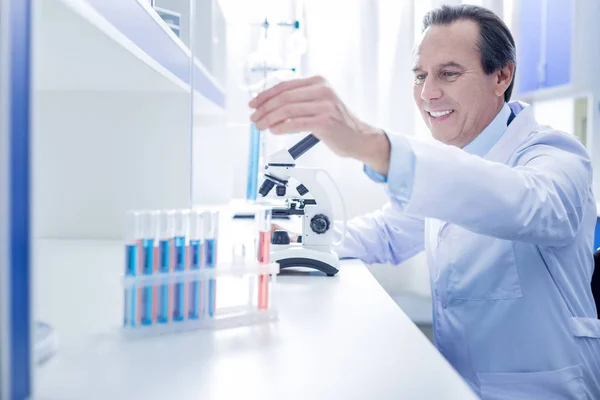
[(504, 77)]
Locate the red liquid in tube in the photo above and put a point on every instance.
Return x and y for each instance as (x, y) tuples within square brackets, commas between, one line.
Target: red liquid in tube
[(263, 254)]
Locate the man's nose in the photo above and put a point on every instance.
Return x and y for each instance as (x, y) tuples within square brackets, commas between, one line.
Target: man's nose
[(430, 90)]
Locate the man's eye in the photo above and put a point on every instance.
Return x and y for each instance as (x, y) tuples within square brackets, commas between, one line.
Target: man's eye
[(419, 79), (449, 74)]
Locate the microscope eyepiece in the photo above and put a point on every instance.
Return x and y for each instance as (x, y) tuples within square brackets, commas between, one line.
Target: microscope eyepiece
[(303, 146)]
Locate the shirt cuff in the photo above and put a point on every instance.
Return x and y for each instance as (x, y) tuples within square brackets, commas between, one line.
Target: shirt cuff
[(401, 174), (376, 176)]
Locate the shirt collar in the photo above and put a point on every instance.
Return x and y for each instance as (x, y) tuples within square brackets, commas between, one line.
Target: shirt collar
[(491, 134)]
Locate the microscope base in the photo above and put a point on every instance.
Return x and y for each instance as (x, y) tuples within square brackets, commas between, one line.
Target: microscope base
[(290, 256)]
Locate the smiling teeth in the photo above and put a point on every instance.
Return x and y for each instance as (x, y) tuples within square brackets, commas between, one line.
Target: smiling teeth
[(438, 114)]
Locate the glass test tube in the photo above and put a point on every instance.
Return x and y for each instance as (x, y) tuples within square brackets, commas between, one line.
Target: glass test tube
[(263, 252), (133, 246), (238, 254), (211, 233), (181, 228), (166, 226), (253, 163), (150, 233), (196, 235)]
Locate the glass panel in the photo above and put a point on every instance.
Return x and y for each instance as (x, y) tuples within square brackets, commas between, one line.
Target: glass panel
[(211, 159), (111, 133)]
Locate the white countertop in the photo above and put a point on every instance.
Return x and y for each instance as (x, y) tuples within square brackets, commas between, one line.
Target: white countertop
[(337, 337)]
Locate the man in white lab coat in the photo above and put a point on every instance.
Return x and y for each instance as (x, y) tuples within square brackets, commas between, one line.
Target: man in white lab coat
[(503, 207)]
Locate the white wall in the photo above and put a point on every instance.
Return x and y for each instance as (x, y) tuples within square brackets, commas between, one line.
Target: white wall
[(96, 154), (558, 113), (347, 56)]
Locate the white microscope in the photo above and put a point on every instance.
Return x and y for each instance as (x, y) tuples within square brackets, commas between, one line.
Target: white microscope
[(314, 248)]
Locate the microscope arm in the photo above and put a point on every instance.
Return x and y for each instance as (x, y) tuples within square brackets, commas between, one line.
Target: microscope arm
[(284, 158)]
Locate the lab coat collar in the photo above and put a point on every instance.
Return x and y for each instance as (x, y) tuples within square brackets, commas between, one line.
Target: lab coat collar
[(521, 126)]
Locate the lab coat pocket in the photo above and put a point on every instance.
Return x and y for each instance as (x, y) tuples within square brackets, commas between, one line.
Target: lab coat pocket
[(562, 384), (585, 327), (482, 267)]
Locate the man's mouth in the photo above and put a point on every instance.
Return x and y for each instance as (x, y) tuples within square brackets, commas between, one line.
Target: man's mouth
[(440, 114)]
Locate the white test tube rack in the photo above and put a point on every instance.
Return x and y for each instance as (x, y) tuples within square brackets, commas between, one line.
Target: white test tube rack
[(223, 317)]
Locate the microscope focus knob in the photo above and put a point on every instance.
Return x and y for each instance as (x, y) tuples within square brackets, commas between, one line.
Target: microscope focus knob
[(319, 223), (280, 237)]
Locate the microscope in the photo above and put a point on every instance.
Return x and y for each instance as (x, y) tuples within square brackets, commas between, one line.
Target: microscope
[(314, 248)]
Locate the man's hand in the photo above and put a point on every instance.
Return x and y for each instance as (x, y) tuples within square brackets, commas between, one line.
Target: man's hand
[(293, 236), (309, 104)]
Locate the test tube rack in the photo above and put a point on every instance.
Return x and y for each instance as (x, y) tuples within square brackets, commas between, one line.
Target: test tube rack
[(174, 283), (230, 316)]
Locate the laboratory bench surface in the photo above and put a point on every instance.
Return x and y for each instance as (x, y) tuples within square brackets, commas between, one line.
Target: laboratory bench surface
[(336, 337)]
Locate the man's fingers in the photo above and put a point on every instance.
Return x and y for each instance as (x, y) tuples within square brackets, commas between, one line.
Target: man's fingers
[(282, 87), (301, 124), (292, 111), (297, 95), (293, 235), (275, 227)]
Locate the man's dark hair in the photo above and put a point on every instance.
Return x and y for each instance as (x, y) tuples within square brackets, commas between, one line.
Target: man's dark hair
[(496, 44)]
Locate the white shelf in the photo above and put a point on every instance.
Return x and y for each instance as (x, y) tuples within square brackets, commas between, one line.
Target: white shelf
[(119, 46)]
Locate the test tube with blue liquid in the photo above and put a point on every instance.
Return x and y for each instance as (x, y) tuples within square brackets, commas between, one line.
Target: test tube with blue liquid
[(133, 246), (150, 233), (253, 163), (196, 234), (181, 228), (211, 233), (165, 254)]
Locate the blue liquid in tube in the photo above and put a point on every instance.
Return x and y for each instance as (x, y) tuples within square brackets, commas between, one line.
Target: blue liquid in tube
[(253, 158), (148, 252), (131, 269), (164, 251), (211, 262), (179, 290), (195, 262)]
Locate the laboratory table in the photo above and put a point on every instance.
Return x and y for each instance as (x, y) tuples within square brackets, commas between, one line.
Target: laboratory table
[(338, 337)]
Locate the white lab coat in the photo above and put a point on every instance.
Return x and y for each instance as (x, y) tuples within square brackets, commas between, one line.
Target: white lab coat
[(509, 243)]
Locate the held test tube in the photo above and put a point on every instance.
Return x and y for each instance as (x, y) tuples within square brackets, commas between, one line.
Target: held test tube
[(150, 232), (196, 233), (166, 244), (181, 227), (211, 232), (133, 246), (263, 250)]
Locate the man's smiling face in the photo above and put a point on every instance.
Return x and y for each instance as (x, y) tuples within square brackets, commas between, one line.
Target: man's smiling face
[(456, 98)]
